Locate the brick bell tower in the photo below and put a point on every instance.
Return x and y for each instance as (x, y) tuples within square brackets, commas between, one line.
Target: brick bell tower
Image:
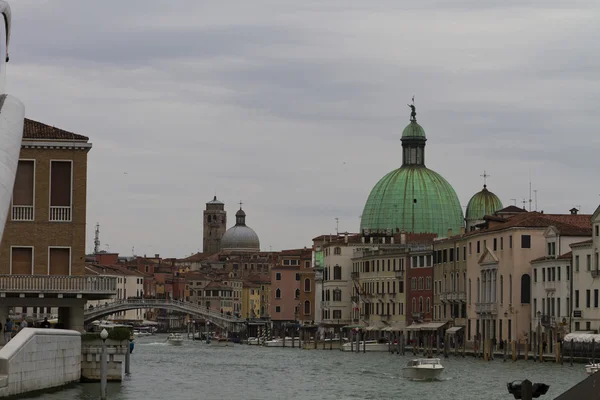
[(215, 225)]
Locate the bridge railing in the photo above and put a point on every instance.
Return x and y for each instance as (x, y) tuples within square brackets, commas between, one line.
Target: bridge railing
[(152, 303), (58, 284)]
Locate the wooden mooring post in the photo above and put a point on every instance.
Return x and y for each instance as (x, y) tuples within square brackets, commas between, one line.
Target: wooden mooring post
[(571, 351)]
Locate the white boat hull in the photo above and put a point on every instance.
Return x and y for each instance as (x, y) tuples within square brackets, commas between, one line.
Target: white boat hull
[(370, 346), (279, 342), (591, 369), (424, 372)]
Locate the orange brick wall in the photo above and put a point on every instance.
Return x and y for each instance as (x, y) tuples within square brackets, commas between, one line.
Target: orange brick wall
[(41, 233)]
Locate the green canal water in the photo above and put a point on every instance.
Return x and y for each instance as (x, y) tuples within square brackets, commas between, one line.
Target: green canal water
[(200, 371)]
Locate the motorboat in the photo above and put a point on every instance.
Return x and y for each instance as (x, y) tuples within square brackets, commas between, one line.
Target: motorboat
[(175, 339), (141, 333), (254, 341), (221, 342), (592, 368), (425, 369), (371, 345), (279, 342)]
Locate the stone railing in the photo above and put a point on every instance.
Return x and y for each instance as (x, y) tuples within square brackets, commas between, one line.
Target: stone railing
[(22, 213), (39, 359), (399, 274), (444, 297), (91, 352), (58, 284), (60, 213), (490, 308), (354, 275)]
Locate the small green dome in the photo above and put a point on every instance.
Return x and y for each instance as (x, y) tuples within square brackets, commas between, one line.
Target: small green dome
[(391, 204), (413, 130), (481, 204)]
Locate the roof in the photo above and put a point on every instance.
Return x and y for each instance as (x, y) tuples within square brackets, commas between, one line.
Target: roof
[(97, 269), (215, 201), (412, 198), (535, 219), (259, 278), (413, 130), (482, 203), (584, 243), (566, 256), (511, 210), (37, 130)]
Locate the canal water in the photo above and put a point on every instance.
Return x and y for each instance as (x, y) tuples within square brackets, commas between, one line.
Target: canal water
[(200, 371)]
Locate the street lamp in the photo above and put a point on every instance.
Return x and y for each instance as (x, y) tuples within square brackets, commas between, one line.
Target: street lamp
[(103, 366)]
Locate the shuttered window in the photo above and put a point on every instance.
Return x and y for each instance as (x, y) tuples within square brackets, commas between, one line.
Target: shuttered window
[(60, 183), (59, 261), (21, 260), (23, 189)]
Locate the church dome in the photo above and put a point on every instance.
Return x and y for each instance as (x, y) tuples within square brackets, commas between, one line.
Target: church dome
[(482, 203), (240, 237), (412, 198)]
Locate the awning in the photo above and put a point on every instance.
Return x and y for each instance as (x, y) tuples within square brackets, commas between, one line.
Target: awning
[(453, 330), (433, 326), (375, 327), (414, 327), (394, 328), (353, 327)]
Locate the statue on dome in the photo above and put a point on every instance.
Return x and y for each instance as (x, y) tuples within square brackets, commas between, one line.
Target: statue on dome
[(413, 110)]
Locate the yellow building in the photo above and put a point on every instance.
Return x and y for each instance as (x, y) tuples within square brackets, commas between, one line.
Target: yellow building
[(251, 294), (264, 286)]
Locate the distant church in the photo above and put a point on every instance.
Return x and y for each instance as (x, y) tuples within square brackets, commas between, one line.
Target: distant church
[(240, 238)]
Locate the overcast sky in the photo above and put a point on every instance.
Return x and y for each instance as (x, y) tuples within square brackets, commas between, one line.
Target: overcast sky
[(296, 108)]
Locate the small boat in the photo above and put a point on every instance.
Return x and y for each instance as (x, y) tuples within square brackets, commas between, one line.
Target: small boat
[(426, 369), (592, 368), (221, 342), (279, 342), (175, 339), (372, 345)]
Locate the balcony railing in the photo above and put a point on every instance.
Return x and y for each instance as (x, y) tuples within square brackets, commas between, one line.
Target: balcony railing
[(22, 213), (444, 297), (595, 273), (399, 274), (417, 315), (490, 308), (60, 214), (58, 284), (354, 275)]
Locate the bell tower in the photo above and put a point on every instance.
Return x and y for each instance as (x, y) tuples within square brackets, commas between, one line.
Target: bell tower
[(215, 225)]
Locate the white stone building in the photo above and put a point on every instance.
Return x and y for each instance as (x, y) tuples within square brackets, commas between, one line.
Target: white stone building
[(586, 283)]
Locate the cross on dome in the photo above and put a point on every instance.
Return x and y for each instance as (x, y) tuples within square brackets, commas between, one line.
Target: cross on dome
[(485, 176)]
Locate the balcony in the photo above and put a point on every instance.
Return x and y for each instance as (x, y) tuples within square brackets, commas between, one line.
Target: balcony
[(595, 273), (355, 275), (444, 297), (399, 274), (22, 213), (417, 315), (385, 316), (60, 214), (97, 286), (548, 321), (486, 308)]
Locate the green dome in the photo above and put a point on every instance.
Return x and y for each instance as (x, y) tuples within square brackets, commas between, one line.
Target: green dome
[(413, 130), (482, 203), (391, 205)]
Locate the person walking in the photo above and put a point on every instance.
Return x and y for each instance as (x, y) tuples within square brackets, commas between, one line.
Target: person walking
[(8, 327)]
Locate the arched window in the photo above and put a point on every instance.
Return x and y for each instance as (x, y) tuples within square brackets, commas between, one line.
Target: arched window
[(420, 304), (414, 304), (278, 293), (464, 288), (510, 299), (428, 305), (307, 285), (501, 289), (307, 310), (413, 283), (478, 290), (337, 272), (337, 251), (525, 289), (297, 294), (445, 283)]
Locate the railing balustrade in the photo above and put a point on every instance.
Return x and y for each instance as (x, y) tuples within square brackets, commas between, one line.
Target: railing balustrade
[(22, 213), (60, 213), (58, 284)]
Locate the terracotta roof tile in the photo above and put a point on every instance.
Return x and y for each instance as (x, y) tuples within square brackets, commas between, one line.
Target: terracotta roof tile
[(37, 130)]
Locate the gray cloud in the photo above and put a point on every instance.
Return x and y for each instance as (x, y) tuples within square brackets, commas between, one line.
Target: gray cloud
[(297, 108)]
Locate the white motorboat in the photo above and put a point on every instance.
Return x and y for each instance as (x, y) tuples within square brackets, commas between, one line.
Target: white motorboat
[(592, 368), (254, 341), (372, 345), (425, 369), (175, 339), (279, 342), (141, 333)]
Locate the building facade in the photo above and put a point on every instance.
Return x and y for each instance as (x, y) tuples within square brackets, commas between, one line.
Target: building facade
[(45, 233)]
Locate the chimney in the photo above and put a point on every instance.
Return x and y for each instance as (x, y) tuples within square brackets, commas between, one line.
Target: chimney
[(449, 232), (402, 237), (462, 230), (157, 256), (346, 237), (574, 211)]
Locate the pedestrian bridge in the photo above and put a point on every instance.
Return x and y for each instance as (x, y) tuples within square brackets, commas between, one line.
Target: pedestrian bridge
[(224, 321)]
